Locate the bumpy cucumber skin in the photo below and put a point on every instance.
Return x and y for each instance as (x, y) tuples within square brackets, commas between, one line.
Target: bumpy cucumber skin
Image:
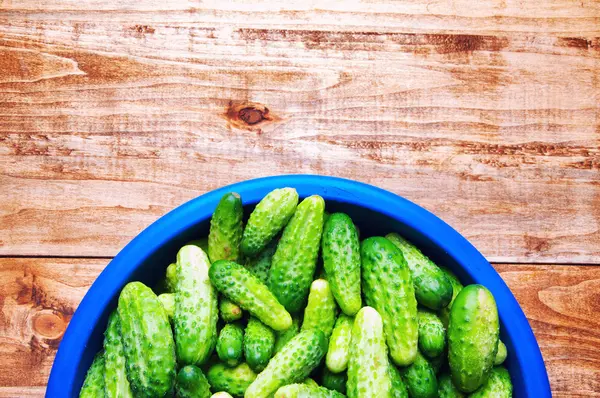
[(292, 364), (171, 278), (500, 354), (259, 344), (321, 310), (432, 289), (221, 394), (306, 391), (420, 378), (432, 334), (191, 383), (341, 261), (229, 311), (147, 341), (334, 381), (444, 313), (271, 214), (498, 385), (368, 365), (261, 264), (472, 337), (398, 387), (385, 275), (115, 374), (235, 381), (242, 287), (446, 389), (295, 259), (196, 311), (339, 344), (168, 302), (283, 337), (93, 385), (226, 229), (230, 344)]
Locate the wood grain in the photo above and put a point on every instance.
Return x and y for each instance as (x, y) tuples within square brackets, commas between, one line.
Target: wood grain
[(40, 295), (486, 113)]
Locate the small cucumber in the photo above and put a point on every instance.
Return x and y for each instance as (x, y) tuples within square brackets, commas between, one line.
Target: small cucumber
[(368, 366), (501, 354), (259, 344), (235, 381), (242, 287), (388, 287), (432, 288), (191, 383), (305, 391), (115, 374), (261, 264), (446, 388), (444, 313), (226, 229), (498, 385), (282, 338), (168, 302), (432, 334), (291, 365), (472, 337), (420, 378), (341, 261), (339, 344), (230, 311), (196, 312), (271, 214), (171, 278), (93, 385), (295, 259), (321, 309), (398, 387), (230, 344), (334, 381)]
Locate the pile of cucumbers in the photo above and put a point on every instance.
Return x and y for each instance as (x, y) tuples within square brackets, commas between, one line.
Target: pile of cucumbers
[(293, 304)]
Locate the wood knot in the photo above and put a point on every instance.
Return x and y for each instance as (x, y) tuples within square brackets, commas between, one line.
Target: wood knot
[(248, 115), (48, 325), (251, 116)]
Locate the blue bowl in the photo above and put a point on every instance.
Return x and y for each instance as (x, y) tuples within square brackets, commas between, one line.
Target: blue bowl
[(374, 210)]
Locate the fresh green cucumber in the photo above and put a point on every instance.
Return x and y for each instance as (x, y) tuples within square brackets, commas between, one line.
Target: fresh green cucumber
[(259, 344), (334, 381), (321, 310), (444, 313), (306, 391), (310, 382), (230, 344), (235, 380), (93, 385), (501, 354), (115, 374), (420, 378), (226, 229), (168, 302), (446, 388), (283, 337), (229, 311), (398, 387), (191, 383), (498, 385), (432, 334), (339, 344), (171, 278)]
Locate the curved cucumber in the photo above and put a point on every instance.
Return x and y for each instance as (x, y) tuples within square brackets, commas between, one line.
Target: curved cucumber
[(283, 337), (386, 276), (339, 344), (432, 288), (500, 354), (398, 387), (420, 378), (230, 311), (226, 229), (230, 345), (261, 264), (432, 334), (472, 337), (498, 385), (259, 344), (191, 383), (93, 385), (291, 365), (147, 341), (168, 302), (235, 381), (341, 260), (196, 312), (334, 381), (444, 313), (245, 289), (321, 309), (306, 391), (271, 214), (446, 389), (368, 366), (115, 374), (295, 259)]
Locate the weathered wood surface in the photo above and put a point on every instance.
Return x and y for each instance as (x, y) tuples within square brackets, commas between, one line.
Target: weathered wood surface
[(40, 296), (487, 113)]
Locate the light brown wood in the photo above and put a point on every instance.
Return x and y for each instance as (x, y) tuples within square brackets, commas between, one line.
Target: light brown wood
[(486, 113)]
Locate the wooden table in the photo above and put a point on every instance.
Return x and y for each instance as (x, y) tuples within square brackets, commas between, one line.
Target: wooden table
[(484, 112)]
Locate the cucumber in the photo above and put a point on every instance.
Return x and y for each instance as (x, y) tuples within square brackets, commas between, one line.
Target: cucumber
[(93, 385), (221, 394), (310, 382), (271, 214), (171, 278), (168, 302), (305, 391), (282, 338), (295, 259), (444, 313), (235, 381), (498, 385), (432, 289), (398, 387), (261, 264), (472, 337), (320, 312), (226, 229), (334, 381), (500, 354), (147, 341), (420, 378), (196, 313), (292, 364), (341, 261), (388, 287), (446, 389), (368, 366), (259, 344), (242, 287), (339, 345), (191, 383), (432, 334), (115, 374), (230, 311), (230, 344)]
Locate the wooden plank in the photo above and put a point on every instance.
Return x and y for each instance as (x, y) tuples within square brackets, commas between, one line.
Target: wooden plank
[(40, 295)]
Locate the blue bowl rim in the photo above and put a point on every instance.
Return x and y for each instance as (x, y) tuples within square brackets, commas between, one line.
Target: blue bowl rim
[(169, 226)]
